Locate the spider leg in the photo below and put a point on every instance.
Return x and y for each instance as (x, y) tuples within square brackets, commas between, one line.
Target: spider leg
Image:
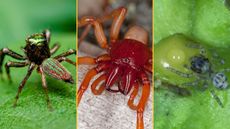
[(65, 54), (84, 34), (143, 100), (54, 48), (118, 17), (6, 51), (98, 30), (132, 97), (13, 64), (83, 87), (47, 33), (90, 60), (95, 84), (22, 84), (193, 83), (85, 83), (216, 98), (186, 75), (67, 60), (44, 85)]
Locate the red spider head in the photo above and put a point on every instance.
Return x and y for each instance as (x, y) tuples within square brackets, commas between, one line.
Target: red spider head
[(128, 58)]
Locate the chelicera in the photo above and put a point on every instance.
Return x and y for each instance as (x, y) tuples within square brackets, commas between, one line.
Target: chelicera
[(126, 63), (38, 55), (204, 72)]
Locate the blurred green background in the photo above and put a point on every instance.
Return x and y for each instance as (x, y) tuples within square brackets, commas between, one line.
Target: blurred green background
[(18, 19), (207, 22)]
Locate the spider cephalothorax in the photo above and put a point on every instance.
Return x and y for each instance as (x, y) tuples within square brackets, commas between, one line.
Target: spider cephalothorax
[(126, 66), (126, 62), (38, 54), (200, 64)]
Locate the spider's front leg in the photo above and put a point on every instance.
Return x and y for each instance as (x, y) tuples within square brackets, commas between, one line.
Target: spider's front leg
[(6, 51), (63, 56), (13, 64), (118, 16), (22, 84), (54, 48), (85, 83)]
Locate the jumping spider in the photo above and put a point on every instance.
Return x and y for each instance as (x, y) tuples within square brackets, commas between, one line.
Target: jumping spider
[(38, 55), (204, 72)]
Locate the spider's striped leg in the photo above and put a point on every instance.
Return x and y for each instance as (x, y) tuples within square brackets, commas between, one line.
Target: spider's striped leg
[(44, 85), (143, 100), (13, 64), (6, 51), (186, 75), (94, 87), (22, 84), (54, 48), (216, 98)]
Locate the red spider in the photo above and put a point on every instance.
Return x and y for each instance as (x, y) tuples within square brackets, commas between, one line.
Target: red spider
[(126, 63)]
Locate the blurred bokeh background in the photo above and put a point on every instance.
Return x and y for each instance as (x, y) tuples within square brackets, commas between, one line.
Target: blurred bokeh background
[(19, 19)]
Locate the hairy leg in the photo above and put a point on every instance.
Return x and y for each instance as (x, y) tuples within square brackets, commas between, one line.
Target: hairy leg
[(66, 60), (65, 54), (44, 85), (6, 51), (54, 48), (13, 64), (22, 84)]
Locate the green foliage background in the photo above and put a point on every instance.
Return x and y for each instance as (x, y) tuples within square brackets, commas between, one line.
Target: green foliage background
[(18, 20), (207, 22)]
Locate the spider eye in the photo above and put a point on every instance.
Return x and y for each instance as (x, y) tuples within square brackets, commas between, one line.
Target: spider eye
[(125, 60)]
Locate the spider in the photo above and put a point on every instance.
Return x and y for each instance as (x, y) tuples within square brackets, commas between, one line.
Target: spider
[(202, 69), (127, 61), (38, 55)]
